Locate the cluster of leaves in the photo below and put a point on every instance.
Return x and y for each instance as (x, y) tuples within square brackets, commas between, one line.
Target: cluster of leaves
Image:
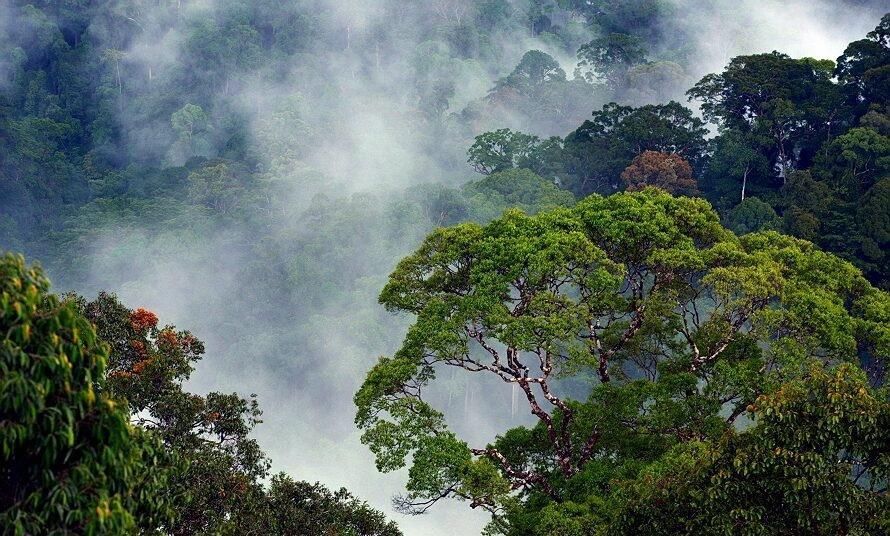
[(147, 368), (70, 461), (537, 90), (667, 171), (684, 331), (98, 435), (815, 462)]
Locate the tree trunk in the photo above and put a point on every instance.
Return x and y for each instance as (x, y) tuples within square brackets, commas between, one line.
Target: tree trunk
[(783, 157)]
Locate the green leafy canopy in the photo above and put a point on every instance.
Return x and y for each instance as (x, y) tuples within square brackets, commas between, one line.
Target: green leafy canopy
[(680, 325)]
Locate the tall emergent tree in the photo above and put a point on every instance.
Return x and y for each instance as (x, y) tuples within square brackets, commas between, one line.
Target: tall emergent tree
[(684, 331), (786, 107)]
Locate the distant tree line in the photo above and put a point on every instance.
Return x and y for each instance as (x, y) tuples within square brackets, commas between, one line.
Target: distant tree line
[(802, 146)]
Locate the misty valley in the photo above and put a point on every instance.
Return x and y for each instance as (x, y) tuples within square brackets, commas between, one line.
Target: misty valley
[(452, 267)]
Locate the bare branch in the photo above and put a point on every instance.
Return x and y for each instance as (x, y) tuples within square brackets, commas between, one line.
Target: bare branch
[(522, 479)]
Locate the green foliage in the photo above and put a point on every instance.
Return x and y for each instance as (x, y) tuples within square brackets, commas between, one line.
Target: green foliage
[(809, 147), (295, 507), (679, 325), (190, 123), (220, 491), (513, 188), (654, 82), (862, 69), (504, 149), (752, 215), (535, 68), (601, 148), (538, 89), (71, 461), (215, 186), (621, 16), (852, 163), (783, 103), (874, 222), (609, 58), (815, 462), (592, 158), (735, 169)]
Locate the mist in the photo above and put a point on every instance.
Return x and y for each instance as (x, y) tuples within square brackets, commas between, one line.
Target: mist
[(720, 30), (341, 136)]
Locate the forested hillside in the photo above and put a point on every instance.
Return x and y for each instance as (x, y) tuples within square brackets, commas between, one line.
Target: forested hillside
[(694, 250)]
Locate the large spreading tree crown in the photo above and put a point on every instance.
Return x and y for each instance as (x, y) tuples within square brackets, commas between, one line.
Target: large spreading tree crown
[(682, 323)]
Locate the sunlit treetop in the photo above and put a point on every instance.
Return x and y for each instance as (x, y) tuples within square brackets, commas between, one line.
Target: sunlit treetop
[(680, 324)]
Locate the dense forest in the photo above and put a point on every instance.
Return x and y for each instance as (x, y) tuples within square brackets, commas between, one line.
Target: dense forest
[(666, 264)]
